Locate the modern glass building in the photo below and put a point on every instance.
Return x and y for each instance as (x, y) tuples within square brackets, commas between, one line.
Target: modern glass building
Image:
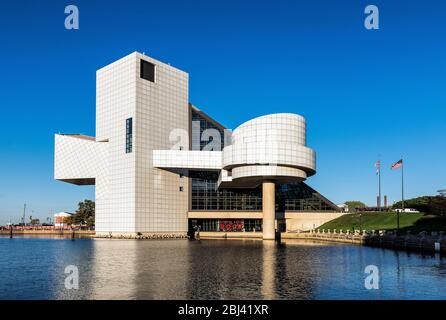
[(161, 165)]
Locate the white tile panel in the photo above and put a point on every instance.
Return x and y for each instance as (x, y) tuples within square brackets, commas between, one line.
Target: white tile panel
[(79, 158), (276, 139), (205, 160)]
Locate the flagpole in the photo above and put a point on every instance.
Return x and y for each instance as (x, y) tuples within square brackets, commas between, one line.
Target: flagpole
[(402, 183), (379, 187), (402, 197)]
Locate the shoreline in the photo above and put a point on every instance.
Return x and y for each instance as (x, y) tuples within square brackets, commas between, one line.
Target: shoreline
[(433, 243), (46, 232)]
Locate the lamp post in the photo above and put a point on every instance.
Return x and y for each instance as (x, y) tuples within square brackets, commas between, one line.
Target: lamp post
[(360, 222)]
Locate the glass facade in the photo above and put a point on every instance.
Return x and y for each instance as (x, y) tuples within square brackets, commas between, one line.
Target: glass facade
[(128, 135), (301, 197), (289, 197), (225, 225), (197, 144), (207, 197)]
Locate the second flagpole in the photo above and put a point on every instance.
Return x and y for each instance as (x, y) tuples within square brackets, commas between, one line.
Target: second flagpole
[(379, 188), (402, 196), (402, 184)]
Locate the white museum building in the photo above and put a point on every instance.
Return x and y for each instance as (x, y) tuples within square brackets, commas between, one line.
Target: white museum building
[(162, 166)]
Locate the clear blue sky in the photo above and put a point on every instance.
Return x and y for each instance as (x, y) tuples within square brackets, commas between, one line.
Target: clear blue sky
[(364, 93)]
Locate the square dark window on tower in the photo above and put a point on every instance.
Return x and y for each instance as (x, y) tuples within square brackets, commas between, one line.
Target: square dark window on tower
[(147, 71)]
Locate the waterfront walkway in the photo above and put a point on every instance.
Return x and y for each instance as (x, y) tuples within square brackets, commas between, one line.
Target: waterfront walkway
[(422, 242)]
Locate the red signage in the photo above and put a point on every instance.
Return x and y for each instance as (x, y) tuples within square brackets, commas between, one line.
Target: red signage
[(231, 225)]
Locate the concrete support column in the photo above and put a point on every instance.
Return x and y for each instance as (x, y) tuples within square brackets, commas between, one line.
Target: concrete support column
[(269, 210)]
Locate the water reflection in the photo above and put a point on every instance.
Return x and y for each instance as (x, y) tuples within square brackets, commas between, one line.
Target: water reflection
[(219, 271), (212, 269), (113, 269), (269, 269)]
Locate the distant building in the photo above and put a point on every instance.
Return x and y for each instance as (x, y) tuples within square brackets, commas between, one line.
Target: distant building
[(59, 218), (343, 207)]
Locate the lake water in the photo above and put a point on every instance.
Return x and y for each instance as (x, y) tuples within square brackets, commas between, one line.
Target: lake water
[(33, 268)]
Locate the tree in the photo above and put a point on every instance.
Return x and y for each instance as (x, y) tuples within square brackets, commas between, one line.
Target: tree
[(420, 203), (35, 222), (68, 220), (435, 205), (353, 204), (438, 205), (85, 214)]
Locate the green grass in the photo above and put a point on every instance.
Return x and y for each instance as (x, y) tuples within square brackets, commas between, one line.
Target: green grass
[(376, 221)]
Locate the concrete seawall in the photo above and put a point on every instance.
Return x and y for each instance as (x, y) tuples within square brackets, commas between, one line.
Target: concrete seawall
[(284, 235), (46, 232), (351, 238), (423, 242), (434, 242)]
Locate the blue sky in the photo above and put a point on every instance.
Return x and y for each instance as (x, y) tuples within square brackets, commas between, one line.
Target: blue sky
[(364, 93)]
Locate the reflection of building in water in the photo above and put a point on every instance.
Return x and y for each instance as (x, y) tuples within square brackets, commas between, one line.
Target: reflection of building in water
[(113, 270), (160, 165), (162, 269), (269, 270)]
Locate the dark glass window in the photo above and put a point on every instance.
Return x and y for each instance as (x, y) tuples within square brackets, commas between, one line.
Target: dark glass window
[(215, 225), (128, 135), (301, 197), (181, 189), (289, 197), (207, 197), (197, 144), (147, 71)]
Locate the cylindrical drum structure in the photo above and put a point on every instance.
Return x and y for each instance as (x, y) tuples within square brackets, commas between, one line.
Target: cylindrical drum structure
[(269, 150)]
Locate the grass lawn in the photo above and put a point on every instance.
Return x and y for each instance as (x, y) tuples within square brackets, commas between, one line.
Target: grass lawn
[(378, 221)]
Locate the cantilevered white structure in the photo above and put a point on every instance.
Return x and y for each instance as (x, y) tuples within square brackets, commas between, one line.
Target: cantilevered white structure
[(162, 166)]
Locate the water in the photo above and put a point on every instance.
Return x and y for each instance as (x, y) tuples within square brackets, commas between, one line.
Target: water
[(33, 268)]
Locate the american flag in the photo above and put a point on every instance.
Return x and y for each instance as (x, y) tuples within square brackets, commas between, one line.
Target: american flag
[(396, 165), (378, 166)]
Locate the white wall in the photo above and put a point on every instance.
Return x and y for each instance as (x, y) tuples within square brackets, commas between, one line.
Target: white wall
[(115, 102), (161, 106), (77, 158), (304, 221)]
